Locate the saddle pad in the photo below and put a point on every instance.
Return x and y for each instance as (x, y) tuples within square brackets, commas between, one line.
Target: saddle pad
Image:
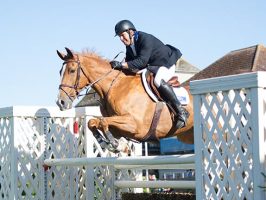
[(180, 92), (182, 95)]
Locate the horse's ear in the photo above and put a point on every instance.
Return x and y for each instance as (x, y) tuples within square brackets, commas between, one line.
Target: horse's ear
[(62, 56), (69, 53)]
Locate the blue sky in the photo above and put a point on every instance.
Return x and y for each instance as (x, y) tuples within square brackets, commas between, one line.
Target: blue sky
[(32, 31)]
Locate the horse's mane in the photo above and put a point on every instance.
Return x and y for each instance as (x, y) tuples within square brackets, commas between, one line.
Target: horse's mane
[(93, 54)]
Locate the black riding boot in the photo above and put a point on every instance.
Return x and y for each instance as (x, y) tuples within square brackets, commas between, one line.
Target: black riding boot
[(170, 98)]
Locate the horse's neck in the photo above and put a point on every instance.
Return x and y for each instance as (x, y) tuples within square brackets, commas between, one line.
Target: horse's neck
[(109, 79), (102, 76)]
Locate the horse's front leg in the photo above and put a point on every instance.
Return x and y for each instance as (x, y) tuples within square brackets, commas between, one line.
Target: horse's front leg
[(94, 125), (99, 124), (123, 124), (120, 123)]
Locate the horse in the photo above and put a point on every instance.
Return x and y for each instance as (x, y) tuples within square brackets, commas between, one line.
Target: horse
[(127, 110)]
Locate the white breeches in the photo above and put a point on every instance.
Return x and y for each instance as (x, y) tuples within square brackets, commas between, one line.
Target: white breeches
[(164, 74)]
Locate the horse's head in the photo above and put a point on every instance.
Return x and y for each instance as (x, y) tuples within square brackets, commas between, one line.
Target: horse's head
[(73, 79)]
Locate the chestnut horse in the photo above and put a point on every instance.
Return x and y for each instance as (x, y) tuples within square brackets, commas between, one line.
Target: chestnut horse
[(126, 108)]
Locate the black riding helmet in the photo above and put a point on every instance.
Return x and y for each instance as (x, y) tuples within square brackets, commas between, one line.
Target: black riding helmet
[(123, 25)]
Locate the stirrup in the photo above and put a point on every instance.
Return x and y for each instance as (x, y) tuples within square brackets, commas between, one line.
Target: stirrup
[(179, 123)]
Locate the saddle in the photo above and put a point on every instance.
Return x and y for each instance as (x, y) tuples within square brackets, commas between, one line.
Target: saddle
[(147, 78)]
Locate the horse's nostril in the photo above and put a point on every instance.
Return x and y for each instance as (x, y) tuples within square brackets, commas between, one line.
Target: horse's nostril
[(62, 102)]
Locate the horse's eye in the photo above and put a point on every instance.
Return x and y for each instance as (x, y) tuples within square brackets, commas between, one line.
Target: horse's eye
[(72, 71)]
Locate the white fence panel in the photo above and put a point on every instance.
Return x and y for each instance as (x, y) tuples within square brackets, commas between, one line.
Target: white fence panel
[(29, 135), (230, 136)]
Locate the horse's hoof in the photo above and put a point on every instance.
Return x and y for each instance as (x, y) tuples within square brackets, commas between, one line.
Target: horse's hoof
[(112, 148), (124, 146)]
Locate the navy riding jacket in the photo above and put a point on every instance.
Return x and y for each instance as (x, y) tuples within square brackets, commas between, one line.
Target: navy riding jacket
[(150, 51)]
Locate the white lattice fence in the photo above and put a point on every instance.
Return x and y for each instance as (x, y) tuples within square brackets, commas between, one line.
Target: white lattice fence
[(29, 135), (5, 153), (230, 136), (21, 150)]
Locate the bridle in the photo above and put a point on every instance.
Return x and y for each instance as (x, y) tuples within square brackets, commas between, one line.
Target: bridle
[(76, 85)]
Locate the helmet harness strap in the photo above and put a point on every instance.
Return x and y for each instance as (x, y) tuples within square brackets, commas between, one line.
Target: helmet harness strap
[(130, 37)]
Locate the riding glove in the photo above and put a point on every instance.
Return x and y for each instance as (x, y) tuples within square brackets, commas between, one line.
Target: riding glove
[(116, 64)]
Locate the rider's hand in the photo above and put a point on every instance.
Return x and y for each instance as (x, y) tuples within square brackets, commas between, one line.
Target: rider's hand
[(116, 64)]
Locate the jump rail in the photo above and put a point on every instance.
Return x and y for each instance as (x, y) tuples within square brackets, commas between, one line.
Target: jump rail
[(155, 184), (135, 161), (142, 162)]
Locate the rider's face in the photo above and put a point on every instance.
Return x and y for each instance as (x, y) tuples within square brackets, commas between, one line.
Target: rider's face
[(124, 37)]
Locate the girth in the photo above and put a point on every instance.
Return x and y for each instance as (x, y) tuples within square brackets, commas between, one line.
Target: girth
[(151, 135)]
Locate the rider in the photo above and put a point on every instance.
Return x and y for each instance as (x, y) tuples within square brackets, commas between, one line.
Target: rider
[(144, 50)]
